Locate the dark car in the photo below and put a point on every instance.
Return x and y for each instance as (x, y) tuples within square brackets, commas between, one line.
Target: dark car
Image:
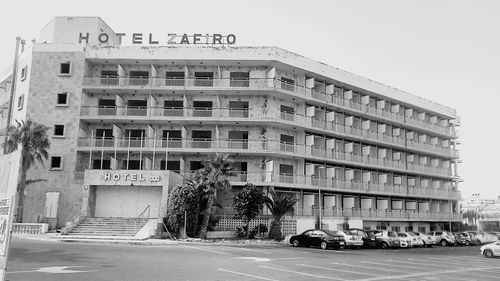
[(467, 237), (382, 239), (319, 238), (460, 239)]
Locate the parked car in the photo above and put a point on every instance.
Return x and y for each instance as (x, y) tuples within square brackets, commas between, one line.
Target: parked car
[(352, 239), (460, 240), (426, 239), (491, 250), (362, 233), (383, 238), (319, 238), (485, 238), (473, 239), (411, 239), (468, 238), (405, 240), (442, 238)]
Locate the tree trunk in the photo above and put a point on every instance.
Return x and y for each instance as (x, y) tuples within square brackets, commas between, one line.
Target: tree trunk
[(182, 229), (275, 231), (248, 229), (204, 224), (21, 184)]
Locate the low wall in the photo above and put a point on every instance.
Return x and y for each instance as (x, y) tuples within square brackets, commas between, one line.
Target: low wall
[(30, 228)]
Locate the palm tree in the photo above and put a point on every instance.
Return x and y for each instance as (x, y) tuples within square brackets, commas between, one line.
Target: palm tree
[(34, 142), (278, 206), (209, 179)]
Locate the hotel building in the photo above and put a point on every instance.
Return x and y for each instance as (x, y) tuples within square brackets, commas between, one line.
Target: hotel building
[(129, 122)]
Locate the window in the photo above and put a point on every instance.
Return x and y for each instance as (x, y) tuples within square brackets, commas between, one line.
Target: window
[(62, 99), (240, 79), (20, 102), (65, 68), (204, 79), (56, 162), (59, 130), (396, 228), (24, 72), (421, 229), (101, 164)]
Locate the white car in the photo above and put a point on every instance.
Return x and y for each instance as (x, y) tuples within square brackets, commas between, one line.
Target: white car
[(485, 238), (426, 239), (491, 250), (352, 239), (412, 239), (405, 239)]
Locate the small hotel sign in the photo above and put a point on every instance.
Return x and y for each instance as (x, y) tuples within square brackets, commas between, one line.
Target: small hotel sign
[(170, 39), (129, 177)]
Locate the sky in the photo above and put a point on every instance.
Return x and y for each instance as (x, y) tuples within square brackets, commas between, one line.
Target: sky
[(444, 51)]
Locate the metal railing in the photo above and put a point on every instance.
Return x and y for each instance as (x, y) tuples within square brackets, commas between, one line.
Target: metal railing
[(260, 146), (306, 122), (264, 83), (141, 217)]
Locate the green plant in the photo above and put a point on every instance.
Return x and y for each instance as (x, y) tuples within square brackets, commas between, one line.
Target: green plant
[(183, 200), (248, 203), (278, 205), (210, 179), (34, 142)]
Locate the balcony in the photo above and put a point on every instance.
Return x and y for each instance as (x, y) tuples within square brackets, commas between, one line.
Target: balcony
[(261, 147), (429, 170), (427, 147), (378, 214), (132, 111), (99, 82)]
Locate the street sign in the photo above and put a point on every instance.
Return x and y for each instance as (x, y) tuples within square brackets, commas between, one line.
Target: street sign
[(6, 213)]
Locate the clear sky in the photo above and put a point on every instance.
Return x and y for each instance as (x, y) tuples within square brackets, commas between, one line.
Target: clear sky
[(445, 51)]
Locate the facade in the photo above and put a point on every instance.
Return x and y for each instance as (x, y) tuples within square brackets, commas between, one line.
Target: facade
[(348, 147)]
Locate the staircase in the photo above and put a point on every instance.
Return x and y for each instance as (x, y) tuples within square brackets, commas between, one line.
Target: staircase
[(108, 227)]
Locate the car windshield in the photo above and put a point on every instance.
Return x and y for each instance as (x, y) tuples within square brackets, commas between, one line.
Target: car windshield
[(412, 234), (401, 235), (334, 232)]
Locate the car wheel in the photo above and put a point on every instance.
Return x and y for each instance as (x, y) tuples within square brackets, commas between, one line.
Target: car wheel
[(467, 243), (444, 243), (295, 243), (323, 245), (384, 245), (488, 253)]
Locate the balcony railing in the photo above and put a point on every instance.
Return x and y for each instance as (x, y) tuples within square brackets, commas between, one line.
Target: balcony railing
[(261, 146), (262, 83), (378, 214), (297, 119)]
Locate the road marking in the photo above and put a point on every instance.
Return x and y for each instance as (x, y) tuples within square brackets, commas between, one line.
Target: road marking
[(340, 270), (438, 261), (245, 274), (253, 258), (250, 250), (416, 264), (394, 265), (481, 275), (368, 267), (304, 252), (301, 273), (55, 270), (206, 250), (427, 273)]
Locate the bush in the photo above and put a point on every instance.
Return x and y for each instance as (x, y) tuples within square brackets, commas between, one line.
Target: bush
[(259, 230)]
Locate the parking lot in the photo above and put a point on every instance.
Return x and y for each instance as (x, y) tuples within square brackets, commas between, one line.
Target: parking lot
[(36, 260)]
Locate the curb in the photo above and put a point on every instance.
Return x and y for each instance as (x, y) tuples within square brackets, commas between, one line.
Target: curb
[(152, 242)]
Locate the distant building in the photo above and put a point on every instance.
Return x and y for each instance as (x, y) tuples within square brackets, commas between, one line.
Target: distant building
[(129, 122)]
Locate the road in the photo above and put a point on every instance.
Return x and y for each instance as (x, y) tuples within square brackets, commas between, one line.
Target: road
[(38, 260)]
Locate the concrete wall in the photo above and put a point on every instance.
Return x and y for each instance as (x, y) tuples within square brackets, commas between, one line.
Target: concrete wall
[(41, 107), (9, 171)]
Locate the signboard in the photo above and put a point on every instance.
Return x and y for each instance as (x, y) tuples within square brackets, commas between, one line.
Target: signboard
[(130, 177), (168, 39), (6, 212)]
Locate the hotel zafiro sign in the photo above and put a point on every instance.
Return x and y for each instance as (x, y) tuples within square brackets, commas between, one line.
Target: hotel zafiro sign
[(170, 39)]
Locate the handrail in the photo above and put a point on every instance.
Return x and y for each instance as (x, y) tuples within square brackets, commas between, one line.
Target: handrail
[(148, 208)]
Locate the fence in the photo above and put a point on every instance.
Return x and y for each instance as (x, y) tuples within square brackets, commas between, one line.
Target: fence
[(288, 226), (30, 228)]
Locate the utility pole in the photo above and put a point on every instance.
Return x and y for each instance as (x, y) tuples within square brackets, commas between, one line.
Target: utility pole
[(12, 89)]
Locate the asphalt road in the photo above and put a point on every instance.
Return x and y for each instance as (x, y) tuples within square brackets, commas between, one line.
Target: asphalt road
[(36, 260)]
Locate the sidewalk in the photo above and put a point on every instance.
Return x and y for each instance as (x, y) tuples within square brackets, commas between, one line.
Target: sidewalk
[(56, 237)]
